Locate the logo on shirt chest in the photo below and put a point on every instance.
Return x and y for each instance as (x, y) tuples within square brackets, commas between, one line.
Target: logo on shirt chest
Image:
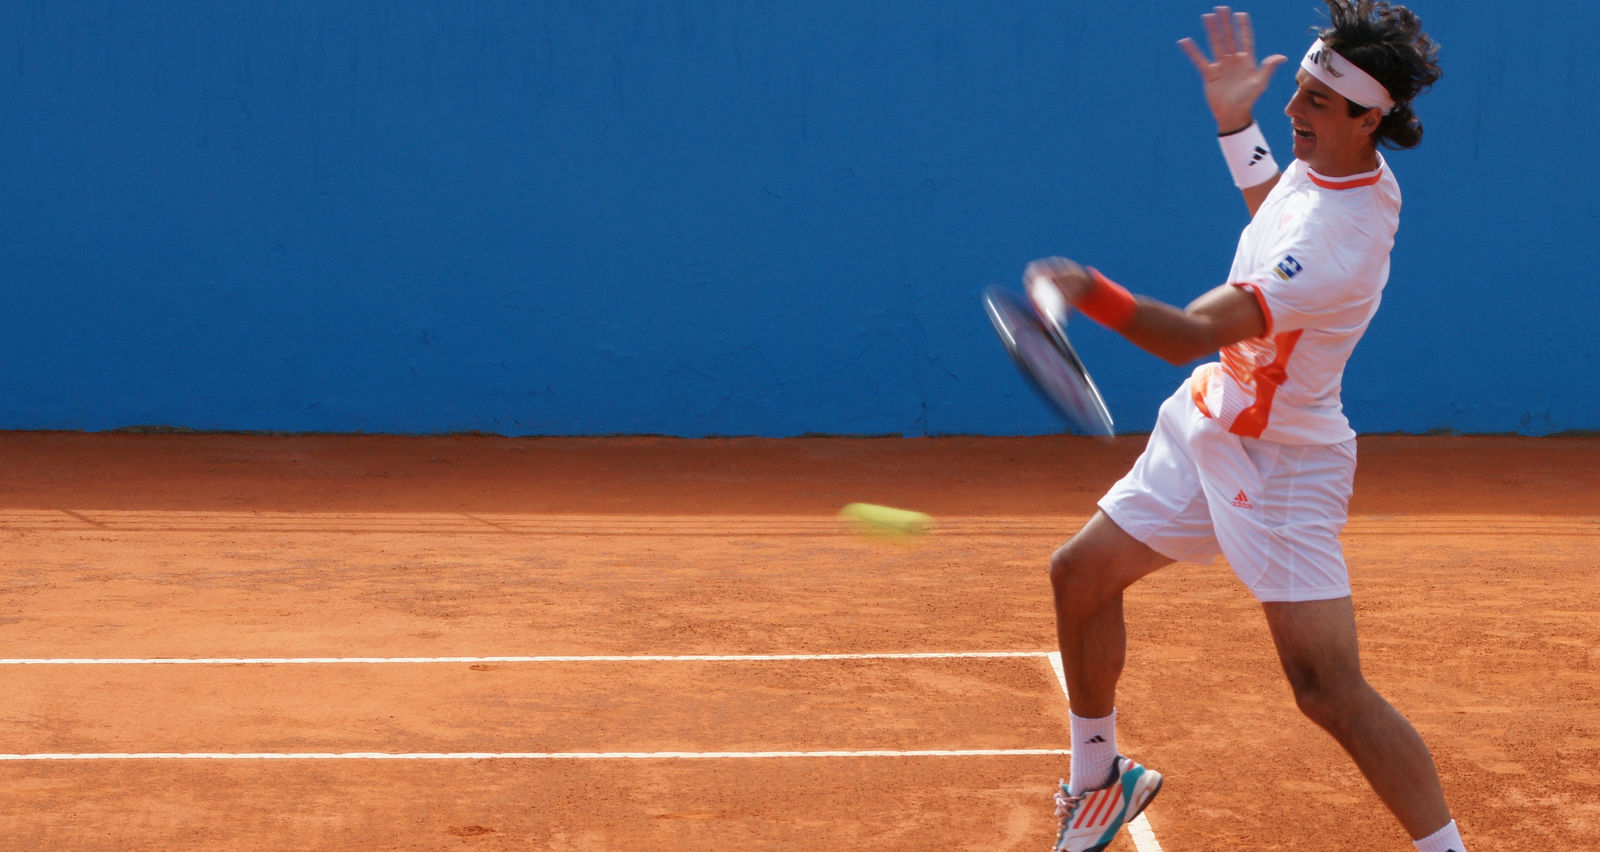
[(1287, 268)]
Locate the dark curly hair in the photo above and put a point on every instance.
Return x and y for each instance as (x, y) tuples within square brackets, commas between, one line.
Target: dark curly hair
[(1387, 42)]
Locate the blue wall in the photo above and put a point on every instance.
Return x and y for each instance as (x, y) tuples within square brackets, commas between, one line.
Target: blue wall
[(760, 217)]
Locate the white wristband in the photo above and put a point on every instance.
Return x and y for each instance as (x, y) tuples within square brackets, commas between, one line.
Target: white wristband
[(1249, 158)]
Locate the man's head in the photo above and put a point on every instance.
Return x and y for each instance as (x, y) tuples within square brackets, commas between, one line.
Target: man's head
[(1356, 85)]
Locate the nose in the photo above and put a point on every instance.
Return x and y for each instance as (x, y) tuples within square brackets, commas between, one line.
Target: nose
[(1292, 108)]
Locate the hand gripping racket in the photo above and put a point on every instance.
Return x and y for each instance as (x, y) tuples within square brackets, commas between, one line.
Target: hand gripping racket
[(1039, 346)]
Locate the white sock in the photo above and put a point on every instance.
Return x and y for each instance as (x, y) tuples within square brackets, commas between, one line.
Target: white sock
[(1447, 839), (1094, 752)]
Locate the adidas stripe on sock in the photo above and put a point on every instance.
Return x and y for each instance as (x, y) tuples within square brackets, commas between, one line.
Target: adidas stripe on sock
[(1094, 752)]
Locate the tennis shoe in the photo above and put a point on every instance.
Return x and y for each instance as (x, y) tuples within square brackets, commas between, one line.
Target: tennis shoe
[(1089, 821)]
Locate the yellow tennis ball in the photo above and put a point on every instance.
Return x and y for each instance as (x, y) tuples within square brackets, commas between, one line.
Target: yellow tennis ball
[(886, 521)]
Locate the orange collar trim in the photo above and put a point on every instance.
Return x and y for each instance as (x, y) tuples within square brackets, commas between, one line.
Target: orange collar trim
[(1367, 179)]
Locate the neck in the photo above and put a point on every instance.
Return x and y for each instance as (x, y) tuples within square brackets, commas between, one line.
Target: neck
[(1361, 162)]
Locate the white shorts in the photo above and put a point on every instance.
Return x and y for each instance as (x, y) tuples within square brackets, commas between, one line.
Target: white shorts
[(1274, 510)]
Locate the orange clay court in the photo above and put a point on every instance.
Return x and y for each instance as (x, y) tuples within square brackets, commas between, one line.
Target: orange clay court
[(658, 644)]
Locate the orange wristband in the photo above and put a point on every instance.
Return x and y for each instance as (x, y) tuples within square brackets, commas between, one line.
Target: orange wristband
[(1107, 302)]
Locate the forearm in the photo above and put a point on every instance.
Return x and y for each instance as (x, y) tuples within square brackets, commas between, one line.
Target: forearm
[(1171, 333), (1222, 316)]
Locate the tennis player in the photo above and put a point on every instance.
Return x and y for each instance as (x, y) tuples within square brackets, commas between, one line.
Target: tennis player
[(1253, 457)]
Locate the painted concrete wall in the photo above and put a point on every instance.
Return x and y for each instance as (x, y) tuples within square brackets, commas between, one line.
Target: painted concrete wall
[(717, 217)]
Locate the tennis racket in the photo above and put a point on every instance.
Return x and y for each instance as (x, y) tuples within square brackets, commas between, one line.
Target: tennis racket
[(1040, 348)]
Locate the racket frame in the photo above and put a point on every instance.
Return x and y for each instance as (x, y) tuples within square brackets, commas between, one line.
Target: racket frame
[(1016, 320)]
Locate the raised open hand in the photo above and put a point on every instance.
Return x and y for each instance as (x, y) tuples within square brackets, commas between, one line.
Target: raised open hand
[(1233, 81)]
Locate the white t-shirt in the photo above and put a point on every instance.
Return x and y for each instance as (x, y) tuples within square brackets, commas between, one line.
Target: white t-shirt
[(1316, 255)]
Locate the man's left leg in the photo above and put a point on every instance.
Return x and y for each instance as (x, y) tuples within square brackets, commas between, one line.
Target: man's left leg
[(1316, 643)]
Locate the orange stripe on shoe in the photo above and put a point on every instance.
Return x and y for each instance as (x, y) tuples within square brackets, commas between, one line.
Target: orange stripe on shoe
[(1113, 800), (1083, 815), (1090, 808), (1103, 808)]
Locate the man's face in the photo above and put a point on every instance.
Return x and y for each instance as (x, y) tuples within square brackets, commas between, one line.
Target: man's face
[(1325, 136)]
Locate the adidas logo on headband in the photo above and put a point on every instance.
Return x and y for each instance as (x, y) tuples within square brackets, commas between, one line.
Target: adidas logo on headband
[(1342, 76)]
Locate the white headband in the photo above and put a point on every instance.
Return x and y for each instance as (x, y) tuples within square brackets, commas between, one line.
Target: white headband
[(1342, 76)]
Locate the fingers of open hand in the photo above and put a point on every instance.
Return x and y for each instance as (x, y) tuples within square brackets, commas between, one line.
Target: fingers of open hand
[(1193, 50), (1232, 41), (1219, 29), (1233, 80), (1231, 36), (1246, 40)]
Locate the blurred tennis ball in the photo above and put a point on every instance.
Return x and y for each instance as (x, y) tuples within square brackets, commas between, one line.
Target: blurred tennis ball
[(886, 521)]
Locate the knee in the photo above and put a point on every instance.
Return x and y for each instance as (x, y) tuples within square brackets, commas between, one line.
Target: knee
[(1076, 577), (1332, 702), (1091, 570), (1067, 567)]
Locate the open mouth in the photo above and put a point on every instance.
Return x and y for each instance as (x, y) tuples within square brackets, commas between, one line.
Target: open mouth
[(1302, 133)]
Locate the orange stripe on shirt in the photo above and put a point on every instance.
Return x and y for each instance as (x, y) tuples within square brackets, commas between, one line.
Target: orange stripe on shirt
[(1266, 380), (1261, 300), (1369, 180), (1198, 387)]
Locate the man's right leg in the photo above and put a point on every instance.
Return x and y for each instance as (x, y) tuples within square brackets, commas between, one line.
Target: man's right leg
[(1088, 575)]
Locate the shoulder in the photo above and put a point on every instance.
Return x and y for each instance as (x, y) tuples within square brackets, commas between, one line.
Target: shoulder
[(1365, 206)]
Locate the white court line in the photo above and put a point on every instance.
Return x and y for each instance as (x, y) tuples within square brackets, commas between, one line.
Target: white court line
[(1144, 838), (649, 658), (537, 755)]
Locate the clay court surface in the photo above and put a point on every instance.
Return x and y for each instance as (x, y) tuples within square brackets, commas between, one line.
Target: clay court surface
[(654, 644)]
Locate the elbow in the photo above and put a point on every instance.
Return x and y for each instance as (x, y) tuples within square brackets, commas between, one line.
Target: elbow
[(1200, 338), (1180, 353), (1186, 358)]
